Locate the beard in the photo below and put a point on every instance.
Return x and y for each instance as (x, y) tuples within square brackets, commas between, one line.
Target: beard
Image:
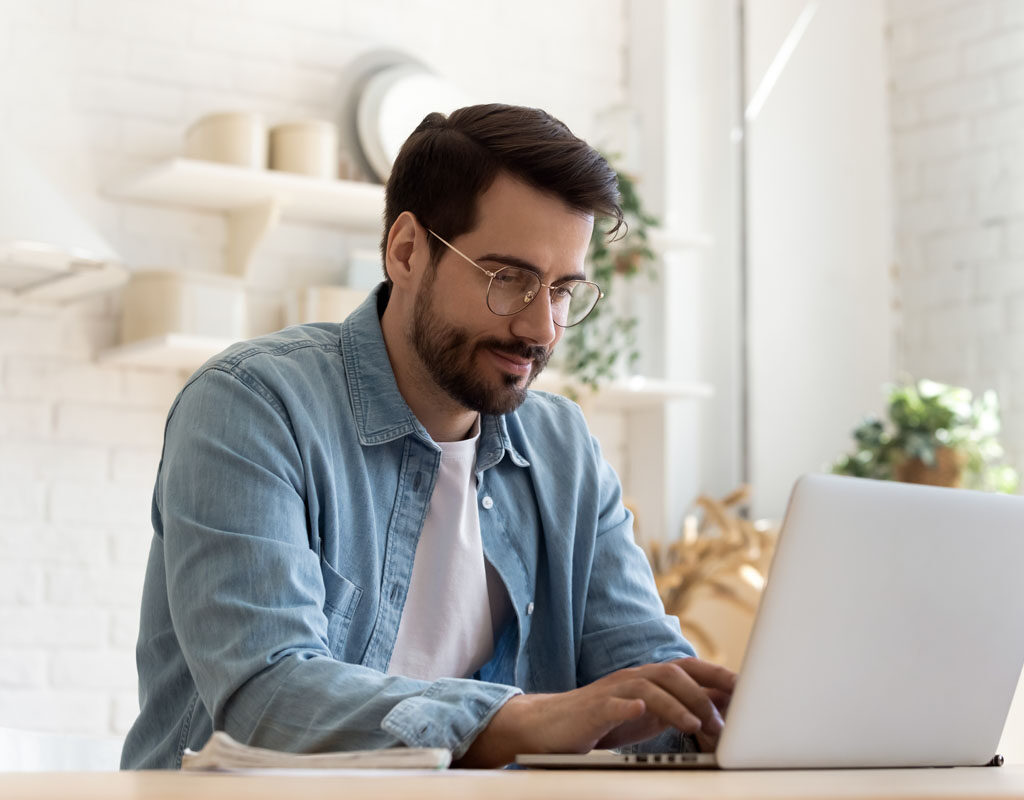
[(449, 355)]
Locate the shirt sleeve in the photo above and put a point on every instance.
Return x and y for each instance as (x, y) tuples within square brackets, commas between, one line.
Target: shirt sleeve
[(624, 623), (246, 592)]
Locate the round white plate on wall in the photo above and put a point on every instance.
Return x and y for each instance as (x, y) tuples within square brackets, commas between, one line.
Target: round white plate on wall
[(391, 105)]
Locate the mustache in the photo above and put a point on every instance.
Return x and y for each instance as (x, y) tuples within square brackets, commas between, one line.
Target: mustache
[(536, 353)]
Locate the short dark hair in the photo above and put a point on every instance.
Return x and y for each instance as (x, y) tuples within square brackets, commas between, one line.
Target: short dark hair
[(448, 162)]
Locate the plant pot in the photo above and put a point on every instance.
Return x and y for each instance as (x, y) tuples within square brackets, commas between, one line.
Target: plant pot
[(948, 469)]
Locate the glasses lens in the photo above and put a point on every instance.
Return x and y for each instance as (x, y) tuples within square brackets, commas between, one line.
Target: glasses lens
[(572, 302), (511, 290)]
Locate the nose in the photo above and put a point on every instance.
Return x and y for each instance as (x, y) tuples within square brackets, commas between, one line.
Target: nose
[(535, 323)]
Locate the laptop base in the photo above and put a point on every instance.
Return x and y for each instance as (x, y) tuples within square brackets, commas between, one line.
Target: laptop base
[(606, 759)]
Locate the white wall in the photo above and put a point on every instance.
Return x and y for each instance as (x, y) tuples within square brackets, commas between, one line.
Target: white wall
[(957, 108), (957, 99), (819, 239), (78, 449), (94, 88), (666, 104)]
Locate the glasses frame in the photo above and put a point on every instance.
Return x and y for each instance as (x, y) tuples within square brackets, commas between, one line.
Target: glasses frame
[(491, 275)]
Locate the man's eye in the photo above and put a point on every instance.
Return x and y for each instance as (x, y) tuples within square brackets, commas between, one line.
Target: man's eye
[(561, 292)]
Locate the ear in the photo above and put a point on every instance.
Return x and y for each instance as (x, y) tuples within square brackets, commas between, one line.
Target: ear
[(407, 252)]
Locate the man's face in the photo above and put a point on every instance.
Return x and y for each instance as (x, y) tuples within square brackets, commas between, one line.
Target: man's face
[(484, 361)]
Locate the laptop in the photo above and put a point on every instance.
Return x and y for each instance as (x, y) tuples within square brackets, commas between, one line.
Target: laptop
[(890, 634)]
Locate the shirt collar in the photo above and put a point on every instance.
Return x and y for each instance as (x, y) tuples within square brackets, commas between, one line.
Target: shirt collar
[(381, 413)]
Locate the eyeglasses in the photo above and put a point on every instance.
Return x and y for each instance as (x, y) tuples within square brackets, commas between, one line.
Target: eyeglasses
[(511, 289)]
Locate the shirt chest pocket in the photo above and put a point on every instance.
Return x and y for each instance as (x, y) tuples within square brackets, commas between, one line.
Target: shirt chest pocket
[(341, 597)]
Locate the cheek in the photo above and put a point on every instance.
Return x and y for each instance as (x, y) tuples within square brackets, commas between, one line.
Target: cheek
[(463, 306), (474, 317)]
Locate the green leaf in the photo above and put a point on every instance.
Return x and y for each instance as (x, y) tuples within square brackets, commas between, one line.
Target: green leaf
[(592, 350), (927, 415)]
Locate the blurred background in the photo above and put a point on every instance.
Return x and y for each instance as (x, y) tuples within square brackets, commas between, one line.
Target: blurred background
[(838, 194)]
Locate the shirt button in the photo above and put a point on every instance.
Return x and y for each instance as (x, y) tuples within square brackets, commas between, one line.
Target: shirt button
[(529, 608), (487, 502)]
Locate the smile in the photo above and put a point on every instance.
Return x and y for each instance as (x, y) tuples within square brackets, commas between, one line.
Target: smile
[(516, 365)]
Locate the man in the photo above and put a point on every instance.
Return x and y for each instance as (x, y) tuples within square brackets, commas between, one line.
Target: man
[(370, 534)]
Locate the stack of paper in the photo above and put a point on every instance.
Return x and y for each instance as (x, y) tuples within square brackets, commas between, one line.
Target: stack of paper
[(222, 752)]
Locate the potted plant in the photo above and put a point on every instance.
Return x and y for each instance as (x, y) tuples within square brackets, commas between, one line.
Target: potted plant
[(935, 434), (593, 352)]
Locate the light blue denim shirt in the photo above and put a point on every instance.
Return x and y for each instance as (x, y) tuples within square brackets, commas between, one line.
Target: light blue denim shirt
[(291, 493)]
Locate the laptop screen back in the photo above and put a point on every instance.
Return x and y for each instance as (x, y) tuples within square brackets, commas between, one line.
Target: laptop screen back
[(890, 633)]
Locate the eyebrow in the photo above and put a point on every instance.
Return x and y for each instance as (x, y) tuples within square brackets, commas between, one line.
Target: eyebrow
[(513, 261)]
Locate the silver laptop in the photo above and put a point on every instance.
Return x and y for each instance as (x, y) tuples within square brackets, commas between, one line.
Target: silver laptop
[(890, 634)]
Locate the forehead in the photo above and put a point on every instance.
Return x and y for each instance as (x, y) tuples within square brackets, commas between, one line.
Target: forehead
[(516, 218)]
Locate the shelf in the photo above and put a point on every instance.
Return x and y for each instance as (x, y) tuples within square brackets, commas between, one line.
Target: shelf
[(254, 200), (641, 392), (177, 351), (625, 394), (222, 187), (52, 277), (188, 352), (667, 240)]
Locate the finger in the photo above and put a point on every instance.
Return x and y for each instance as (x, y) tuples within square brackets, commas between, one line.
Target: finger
[(665, 705), (708, 675), (670, 693), (640, 729), (677, 682), (707, 744), (720, 699)]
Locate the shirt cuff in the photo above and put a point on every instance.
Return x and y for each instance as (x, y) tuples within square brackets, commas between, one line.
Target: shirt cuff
[(451, 713)]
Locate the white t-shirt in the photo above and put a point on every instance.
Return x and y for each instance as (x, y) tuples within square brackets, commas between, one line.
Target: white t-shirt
[(447, 627)]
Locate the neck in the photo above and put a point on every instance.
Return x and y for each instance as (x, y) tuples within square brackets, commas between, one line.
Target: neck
[(444, 418)]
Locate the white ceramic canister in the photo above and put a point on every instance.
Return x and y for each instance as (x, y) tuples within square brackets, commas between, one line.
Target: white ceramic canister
[(230, 137), (308, 147)]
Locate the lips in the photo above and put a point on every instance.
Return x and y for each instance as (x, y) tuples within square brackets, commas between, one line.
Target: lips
[(517, 360), (515, 364)]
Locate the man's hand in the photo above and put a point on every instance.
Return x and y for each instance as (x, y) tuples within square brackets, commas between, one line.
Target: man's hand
[(627, 706)]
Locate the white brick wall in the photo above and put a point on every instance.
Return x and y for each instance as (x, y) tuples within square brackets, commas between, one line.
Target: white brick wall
[(94, 88), (79, 444), (957, 103)]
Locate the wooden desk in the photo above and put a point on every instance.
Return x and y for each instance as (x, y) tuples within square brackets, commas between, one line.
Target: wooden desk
[(977, 783)]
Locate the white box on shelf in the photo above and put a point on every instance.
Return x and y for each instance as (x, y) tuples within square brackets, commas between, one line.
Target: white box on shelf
[(161, 302), (322, 304)]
